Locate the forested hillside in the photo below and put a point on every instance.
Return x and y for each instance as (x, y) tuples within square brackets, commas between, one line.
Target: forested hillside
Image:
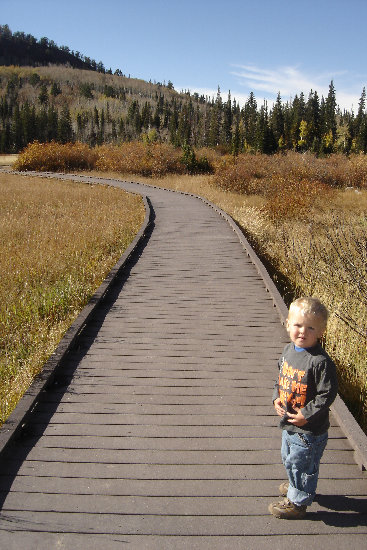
[(72, 98), (24, 49)]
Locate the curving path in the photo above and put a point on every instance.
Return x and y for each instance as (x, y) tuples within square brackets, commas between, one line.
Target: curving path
[(159, 432)]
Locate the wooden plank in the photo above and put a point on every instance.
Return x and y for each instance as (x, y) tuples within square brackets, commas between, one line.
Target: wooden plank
[(153, 505), (151, 419), (64, 541), (82, 441), (171, 471), (155, 430), (181, 525), (268, 488), (164, 456)]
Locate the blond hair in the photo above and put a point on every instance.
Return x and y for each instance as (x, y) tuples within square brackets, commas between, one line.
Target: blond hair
[(310, 305)]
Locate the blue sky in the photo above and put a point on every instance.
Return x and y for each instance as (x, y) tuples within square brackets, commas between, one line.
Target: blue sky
[(286, 46)]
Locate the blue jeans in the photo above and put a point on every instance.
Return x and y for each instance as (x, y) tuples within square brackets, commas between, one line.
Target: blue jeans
[(301, 455)]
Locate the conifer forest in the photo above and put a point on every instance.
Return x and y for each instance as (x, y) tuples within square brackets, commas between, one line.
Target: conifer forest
[(49, 93)]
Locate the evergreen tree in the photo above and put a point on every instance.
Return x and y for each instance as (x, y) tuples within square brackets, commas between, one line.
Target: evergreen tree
[(227, 121), (236, 139), (358, 126), (183, 136), (216, 121), (16, 139), (55, 89), (65, 129), (298, 114), (249, 115), (42, 125), (313, 119), (277, 120), (43, 95), (329, 122), (52, 123), (173, 124), (146, 116)]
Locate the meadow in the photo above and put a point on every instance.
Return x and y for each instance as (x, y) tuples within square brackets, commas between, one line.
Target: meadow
[(305, 216), (52, 259)]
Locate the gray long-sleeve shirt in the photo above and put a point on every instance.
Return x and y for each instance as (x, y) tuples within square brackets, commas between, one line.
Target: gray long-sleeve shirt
[(307, 380)]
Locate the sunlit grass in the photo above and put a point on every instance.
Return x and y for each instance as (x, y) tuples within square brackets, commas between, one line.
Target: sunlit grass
[(58, 242)]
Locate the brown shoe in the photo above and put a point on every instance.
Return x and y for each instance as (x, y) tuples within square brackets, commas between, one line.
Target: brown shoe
[(285, 509), (283, 488)]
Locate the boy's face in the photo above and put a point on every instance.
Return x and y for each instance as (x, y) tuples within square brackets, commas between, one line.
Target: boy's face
[(304, 328)]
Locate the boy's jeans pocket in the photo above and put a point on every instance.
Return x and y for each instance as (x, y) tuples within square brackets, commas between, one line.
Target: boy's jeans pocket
[(301, 455)]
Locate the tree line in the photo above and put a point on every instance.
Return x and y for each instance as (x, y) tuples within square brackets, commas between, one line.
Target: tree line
[(22, 49), (114, 109)]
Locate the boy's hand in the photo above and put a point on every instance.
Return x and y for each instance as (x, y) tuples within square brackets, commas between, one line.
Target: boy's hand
[(296, 419), (278, 407)]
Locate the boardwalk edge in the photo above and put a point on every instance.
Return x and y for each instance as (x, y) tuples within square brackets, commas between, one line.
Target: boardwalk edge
[(343, 416)]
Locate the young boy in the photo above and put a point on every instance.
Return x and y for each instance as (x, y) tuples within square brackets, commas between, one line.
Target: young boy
[(306, 388)]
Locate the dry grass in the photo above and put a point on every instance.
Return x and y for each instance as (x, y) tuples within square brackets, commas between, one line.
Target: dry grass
[(8, 160), (52, 259), (326, 256)]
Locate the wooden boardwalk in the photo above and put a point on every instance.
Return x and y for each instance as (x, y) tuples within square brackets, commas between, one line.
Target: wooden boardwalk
[(159, 432)]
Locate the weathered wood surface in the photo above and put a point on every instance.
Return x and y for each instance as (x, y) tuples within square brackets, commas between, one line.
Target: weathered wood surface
[(159, 433)]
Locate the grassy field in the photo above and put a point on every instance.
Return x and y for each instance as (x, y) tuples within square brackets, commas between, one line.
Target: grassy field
[(58, 242)]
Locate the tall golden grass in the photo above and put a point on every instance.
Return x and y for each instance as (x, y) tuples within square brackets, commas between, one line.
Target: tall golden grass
[(58, 242), (324, 254)]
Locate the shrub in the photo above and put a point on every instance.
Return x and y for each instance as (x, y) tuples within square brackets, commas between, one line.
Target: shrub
[(194, 165), (241, 174), (56, 157), (153, 159), (290, 198)]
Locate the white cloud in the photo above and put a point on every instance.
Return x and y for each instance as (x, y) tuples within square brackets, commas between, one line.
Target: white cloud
[(290, 81)]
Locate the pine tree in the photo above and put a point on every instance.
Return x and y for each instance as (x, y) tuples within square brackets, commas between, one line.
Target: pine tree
[(360, 125), (17, 138), (298, 114), (277, 119), (249, 115), (65, 129), (52, 123), (357, 129), (227, 121), (330, 124), (216, 121), (313, 119), (42, 125), (265, 140), (173, 124), (55, 89), (43, 95)]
